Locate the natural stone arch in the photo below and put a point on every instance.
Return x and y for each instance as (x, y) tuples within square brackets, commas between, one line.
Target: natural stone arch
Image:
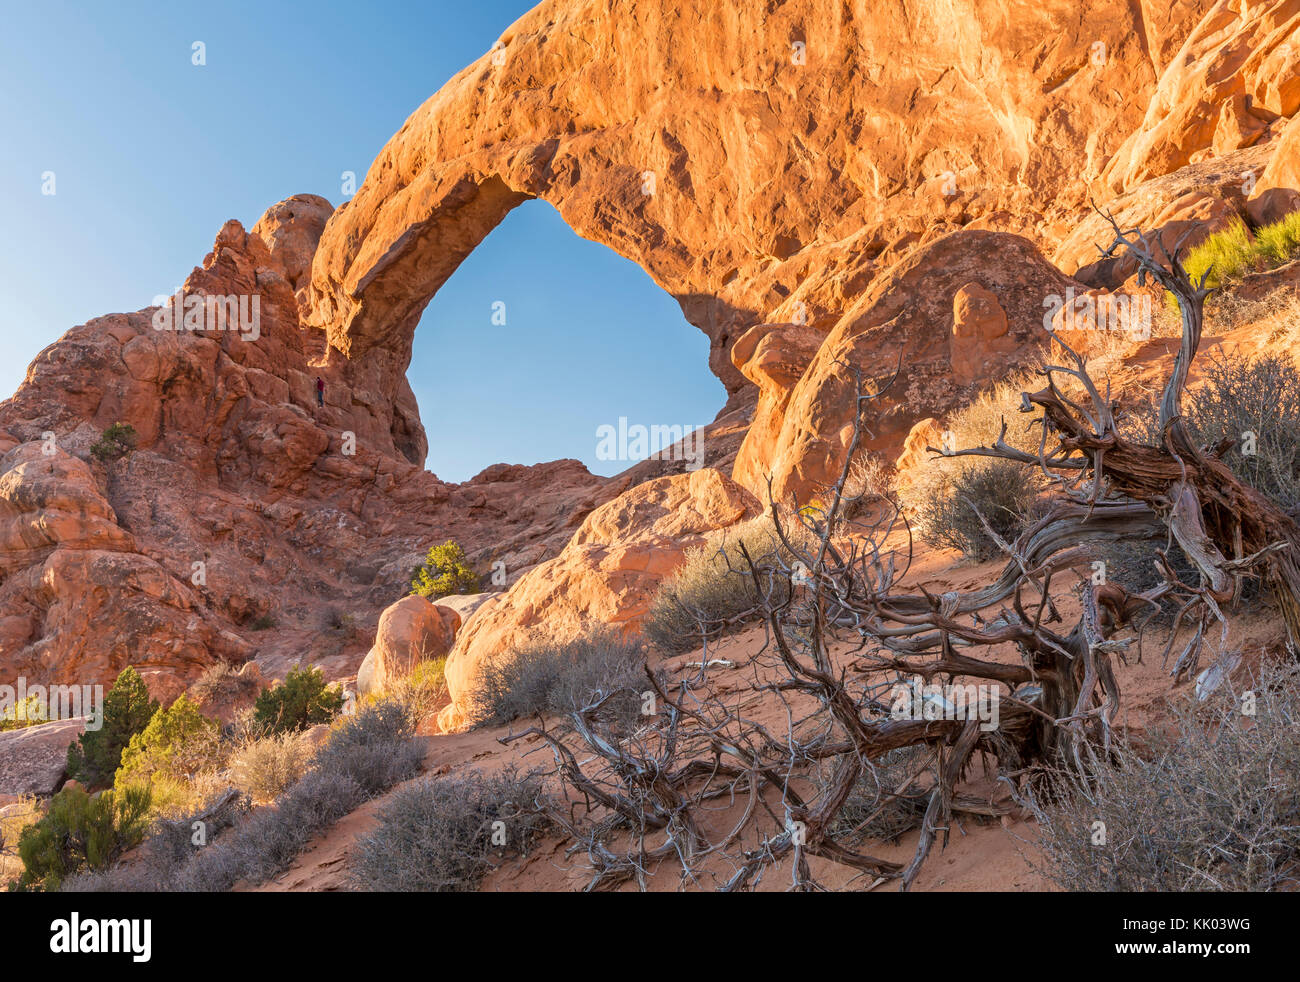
[(789, 147)]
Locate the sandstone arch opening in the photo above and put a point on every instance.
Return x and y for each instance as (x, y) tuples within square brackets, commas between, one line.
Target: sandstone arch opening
[(539, 338)]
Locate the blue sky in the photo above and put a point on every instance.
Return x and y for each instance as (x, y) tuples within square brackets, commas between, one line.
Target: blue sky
[(151, 153)]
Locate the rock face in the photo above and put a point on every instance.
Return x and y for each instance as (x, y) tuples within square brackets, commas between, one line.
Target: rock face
[(247, 522), (800, 158), (605, 577), (33, 759), (832, 192), (904, 325), (752, 158), (1236, 72), (410, 631), (1277, 193)]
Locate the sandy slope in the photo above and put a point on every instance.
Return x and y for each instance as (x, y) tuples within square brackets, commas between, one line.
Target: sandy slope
[(981, 854)]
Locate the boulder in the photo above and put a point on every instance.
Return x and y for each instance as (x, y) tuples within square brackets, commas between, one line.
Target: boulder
[(410, 631), (34, 759)]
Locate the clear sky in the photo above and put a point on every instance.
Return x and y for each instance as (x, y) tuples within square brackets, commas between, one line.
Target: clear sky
[(151, 154)]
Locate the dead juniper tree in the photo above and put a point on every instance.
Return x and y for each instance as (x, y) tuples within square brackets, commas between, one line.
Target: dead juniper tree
[(1226, 528), (725, 783)]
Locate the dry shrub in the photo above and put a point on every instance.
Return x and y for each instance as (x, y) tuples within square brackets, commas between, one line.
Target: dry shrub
[(1229, 310), (559, 678), (870, 481), (443, 835), (1213, 805), (265, 768), (712, 592), (365, 755), (979, 422), (1001, 491), (22, 813), (267, 843), (945, 488), (223, 683), (1133, 565), (376, 747), (423, 690), (1259, 396), (876, 808)]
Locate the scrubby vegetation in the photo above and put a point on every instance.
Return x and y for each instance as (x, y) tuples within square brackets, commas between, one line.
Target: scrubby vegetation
[(559, 678), (423, 689), (127, 710), (364, 755), (1233, 252), (117, 441), (373, 748), (80, 832), (265, 768), (222, 682), (177, 742), (29, 712), (303, 699), (445, 834), (1213, 804), (887, 800), (168, 754), (445, 571), (1251, 407), (951, 495), (711, 593), (953, 512)]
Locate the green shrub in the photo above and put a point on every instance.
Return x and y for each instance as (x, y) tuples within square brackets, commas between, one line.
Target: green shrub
[(445, 571), (712, 592), (176, 744), (1279, 243), (1226, 255), (127, 710), (301, 700), (1230, 254), (445, 834), (263, 623), (81, 832), (1004, 492), (118, 440), (559, 679), (29, 712)]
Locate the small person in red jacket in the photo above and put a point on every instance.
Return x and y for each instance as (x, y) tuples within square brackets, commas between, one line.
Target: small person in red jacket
[(320, 391)]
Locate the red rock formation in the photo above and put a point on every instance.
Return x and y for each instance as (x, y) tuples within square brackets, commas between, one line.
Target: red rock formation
[(410, 631), (606, 575), (825, 188), (243, 499)]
